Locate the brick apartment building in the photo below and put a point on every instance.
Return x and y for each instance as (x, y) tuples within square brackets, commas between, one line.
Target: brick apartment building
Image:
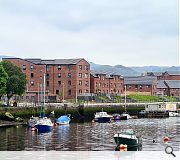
[(106, 83), (145, 85), (168, 84), (64, 78)]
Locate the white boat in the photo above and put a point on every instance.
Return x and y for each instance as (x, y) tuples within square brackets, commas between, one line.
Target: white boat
[(43, 125), (125, 116), (173, 114), (102, 117), (32, 121)]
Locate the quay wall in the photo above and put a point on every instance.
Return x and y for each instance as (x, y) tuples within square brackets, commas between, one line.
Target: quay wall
[(79, 112)]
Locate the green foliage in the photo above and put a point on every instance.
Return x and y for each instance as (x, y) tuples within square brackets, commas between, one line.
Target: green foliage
[(16, 83), (3, 80), (118, 99), (144, 98)]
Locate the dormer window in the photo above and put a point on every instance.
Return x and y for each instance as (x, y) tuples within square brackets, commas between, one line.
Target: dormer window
[(24, 67), (32, 67), (59, 67)]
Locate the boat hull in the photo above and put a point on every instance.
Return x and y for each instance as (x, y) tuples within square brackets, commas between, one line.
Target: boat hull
[(103, 119), (43, 128), (124, 118), (127, 141)]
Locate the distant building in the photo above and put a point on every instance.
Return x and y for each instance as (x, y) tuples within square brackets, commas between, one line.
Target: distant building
[(168, 84), (145, 85), (65, 78), (107, 83), (168, 87), (169, 76)]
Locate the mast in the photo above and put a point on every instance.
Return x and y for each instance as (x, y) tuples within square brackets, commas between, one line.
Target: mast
[(125, 97), (44, 91)]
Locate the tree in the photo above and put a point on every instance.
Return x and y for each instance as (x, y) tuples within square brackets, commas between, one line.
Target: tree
[(16, 82), (3, 80)]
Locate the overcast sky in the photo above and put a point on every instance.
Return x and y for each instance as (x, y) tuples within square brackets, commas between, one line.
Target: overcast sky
[(126, 32)]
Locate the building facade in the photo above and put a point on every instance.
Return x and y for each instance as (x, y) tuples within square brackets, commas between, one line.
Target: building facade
[(168, 84), (64, 78), (145, 85), (106, 83), (169, 76)]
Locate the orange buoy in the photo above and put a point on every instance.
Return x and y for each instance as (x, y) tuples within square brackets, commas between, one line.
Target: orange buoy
[(33, 129), (123, 147), (166, 140)]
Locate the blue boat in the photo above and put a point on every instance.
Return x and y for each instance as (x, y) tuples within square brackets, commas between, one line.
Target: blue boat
[(44, 125), (65, 119)]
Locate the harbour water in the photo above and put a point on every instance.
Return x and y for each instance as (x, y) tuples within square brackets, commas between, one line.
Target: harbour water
[(92, 136)]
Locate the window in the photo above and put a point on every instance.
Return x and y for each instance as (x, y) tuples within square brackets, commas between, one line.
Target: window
[(69, 92), (136, 86), (69, 75), (47, 76), (69, 82), (59, 75), (47, 83), (86, 67), (59, 67), (24, 67), (86, 91), (59, 82), (86, 75), (140, 87), (40, 77), (80, 75), (57, 91), (80, 83), (47, 68), (32, 83), (86, 83), (32, 67), (80, 67), (69, 67), (80, 91), (32, 75)]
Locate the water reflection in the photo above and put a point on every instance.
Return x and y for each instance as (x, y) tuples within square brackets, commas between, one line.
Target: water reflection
[(92, 136)]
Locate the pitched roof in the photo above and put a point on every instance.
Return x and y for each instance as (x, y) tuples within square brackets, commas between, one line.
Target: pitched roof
[(161, 84), (172, 84), (139, 80), (107, 74), (55, 61)]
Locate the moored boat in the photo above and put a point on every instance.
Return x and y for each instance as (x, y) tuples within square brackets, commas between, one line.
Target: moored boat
[(127, 137), (125, 116), (116, 117), (32, 121), (102, 117), (65, 119), (43, 125), (173, 114)]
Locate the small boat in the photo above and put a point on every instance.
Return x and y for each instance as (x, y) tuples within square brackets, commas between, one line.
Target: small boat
[(116, 117), (125, 116), (65, 119), (8, 117), (127, 137), (173, 114), (43, 125), (32, 121), (102, 117)]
